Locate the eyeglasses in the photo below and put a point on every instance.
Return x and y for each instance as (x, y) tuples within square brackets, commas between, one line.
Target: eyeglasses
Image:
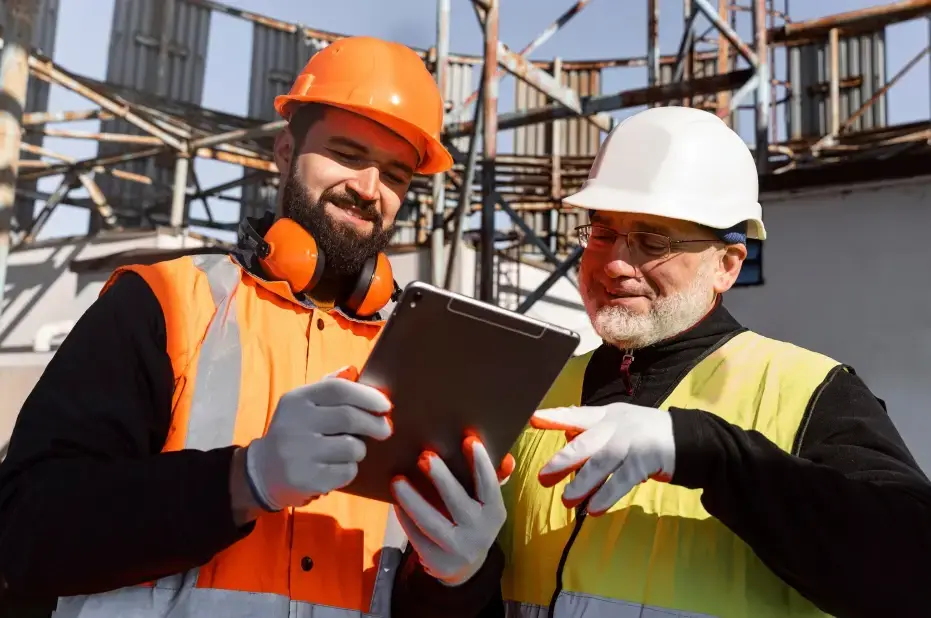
[(643, 245)]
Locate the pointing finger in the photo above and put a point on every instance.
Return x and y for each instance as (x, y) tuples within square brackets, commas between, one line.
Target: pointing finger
[(572, 419), (572, 456)]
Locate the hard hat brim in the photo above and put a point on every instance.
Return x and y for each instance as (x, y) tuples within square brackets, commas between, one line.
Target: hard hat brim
[(593, 197), (434, 158)]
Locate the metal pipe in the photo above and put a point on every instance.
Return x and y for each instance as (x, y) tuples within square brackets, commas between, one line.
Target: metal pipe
[(489, 150), (465, 191), (14, 79), (618, 100), (834, 45), (763, 88), (167, 8), (653, 42), (724, 28), (543, 288), (119, 138), (543, 37), (35, 118), (437, 240), (60, 77), (724, 49), (179, 192), (876, 96), (269, 128)]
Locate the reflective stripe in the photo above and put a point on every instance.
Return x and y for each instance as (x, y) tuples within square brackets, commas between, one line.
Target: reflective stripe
[(211, 423), (575, 605), (215, 401), (394, 544)]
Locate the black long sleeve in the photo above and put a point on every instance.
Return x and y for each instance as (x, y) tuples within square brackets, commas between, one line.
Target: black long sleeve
[(87, 501), (845, 519), (419, 595)]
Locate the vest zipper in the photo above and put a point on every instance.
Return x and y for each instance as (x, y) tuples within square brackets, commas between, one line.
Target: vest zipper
[(580, 513), (625, 371)]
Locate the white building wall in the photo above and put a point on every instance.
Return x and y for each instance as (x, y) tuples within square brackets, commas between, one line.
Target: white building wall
[(848, 274)]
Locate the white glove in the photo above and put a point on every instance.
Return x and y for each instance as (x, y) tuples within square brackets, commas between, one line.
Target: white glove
[(311, 448), (454, 551), (629, 443)]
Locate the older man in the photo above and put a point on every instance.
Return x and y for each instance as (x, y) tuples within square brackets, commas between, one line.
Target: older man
[(689, 466)]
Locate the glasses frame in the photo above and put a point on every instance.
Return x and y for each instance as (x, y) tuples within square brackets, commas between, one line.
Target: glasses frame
[(584, 231)]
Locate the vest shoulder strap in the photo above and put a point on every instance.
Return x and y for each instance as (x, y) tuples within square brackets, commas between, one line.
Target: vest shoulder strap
[(189, 289), (756, 383)]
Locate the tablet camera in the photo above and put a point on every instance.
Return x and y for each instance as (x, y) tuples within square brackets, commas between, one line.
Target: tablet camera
[(417, 296)]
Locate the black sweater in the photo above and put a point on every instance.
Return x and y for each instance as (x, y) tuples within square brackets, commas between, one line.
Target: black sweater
[(845, 518)]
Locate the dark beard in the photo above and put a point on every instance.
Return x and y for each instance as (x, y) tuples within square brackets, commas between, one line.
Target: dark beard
[(345, 250)]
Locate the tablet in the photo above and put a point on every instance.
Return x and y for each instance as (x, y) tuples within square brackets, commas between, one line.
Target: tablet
[(450, 365)]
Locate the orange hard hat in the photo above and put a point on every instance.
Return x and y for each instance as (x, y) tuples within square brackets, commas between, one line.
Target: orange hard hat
[(383, 81)]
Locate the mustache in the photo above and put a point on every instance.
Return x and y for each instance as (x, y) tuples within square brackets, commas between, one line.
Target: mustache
[(345, 199)]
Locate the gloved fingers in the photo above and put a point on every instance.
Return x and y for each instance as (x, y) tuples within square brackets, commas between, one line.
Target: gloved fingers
[(342, 419), (487, 484), (574, 455), (347, 373), (343, 392), (430, 553), (338, 449), (571, 419), (596, 470), (331, 477), (506, 469), (430, 521), (460, 505), (619, 485)]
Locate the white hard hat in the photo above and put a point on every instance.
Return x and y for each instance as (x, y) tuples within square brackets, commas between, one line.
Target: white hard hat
[(677, 162)]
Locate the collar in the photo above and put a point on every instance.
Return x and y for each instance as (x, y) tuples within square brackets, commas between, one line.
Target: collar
[(247, 253)]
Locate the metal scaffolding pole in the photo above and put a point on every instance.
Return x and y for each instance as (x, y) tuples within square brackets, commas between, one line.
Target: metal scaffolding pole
[(437, 240), (652, 42), (489, 148), (763, 86), (465, 191), (14, 79)]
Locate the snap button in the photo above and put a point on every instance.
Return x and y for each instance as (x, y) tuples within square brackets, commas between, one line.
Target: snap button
[(306, 563), (319, 323)]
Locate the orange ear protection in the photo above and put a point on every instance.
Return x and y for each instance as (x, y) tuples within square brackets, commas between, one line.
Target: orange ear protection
[(290, 253)]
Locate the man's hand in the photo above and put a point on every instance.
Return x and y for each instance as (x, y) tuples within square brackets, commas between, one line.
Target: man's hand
[(454, 551), (626, 442), (311, 448)]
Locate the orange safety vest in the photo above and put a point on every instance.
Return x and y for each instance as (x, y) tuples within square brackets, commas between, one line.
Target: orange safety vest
[(237, 343)]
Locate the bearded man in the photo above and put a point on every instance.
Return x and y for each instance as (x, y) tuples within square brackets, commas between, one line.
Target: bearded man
[(184, 451)]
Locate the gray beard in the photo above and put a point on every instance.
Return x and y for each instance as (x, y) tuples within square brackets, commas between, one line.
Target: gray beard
[(667, 317)]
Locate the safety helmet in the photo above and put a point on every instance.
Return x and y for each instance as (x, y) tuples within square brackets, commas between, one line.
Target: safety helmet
[(383, 81), (677, 162)]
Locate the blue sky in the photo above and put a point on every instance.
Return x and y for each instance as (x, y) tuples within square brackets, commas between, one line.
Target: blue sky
[(606, 28)]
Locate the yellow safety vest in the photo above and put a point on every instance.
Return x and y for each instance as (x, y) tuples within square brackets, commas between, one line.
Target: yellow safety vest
[(658, 553)]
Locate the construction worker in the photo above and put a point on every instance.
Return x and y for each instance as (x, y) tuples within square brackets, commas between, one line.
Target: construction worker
[(689, 466), (183, 452)]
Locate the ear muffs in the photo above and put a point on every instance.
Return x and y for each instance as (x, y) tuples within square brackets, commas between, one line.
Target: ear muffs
[(290, 253), (374, 288)]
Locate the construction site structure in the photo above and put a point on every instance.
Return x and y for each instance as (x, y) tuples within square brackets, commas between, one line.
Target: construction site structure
[(826, 107)]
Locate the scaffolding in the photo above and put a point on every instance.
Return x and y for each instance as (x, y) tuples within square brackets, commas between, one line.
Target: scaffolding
[(832, 95)]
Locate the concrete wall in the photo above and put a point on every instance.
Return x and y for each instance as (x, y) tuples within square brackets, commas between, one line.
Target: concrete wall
[(848, 274), (44, 298)]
